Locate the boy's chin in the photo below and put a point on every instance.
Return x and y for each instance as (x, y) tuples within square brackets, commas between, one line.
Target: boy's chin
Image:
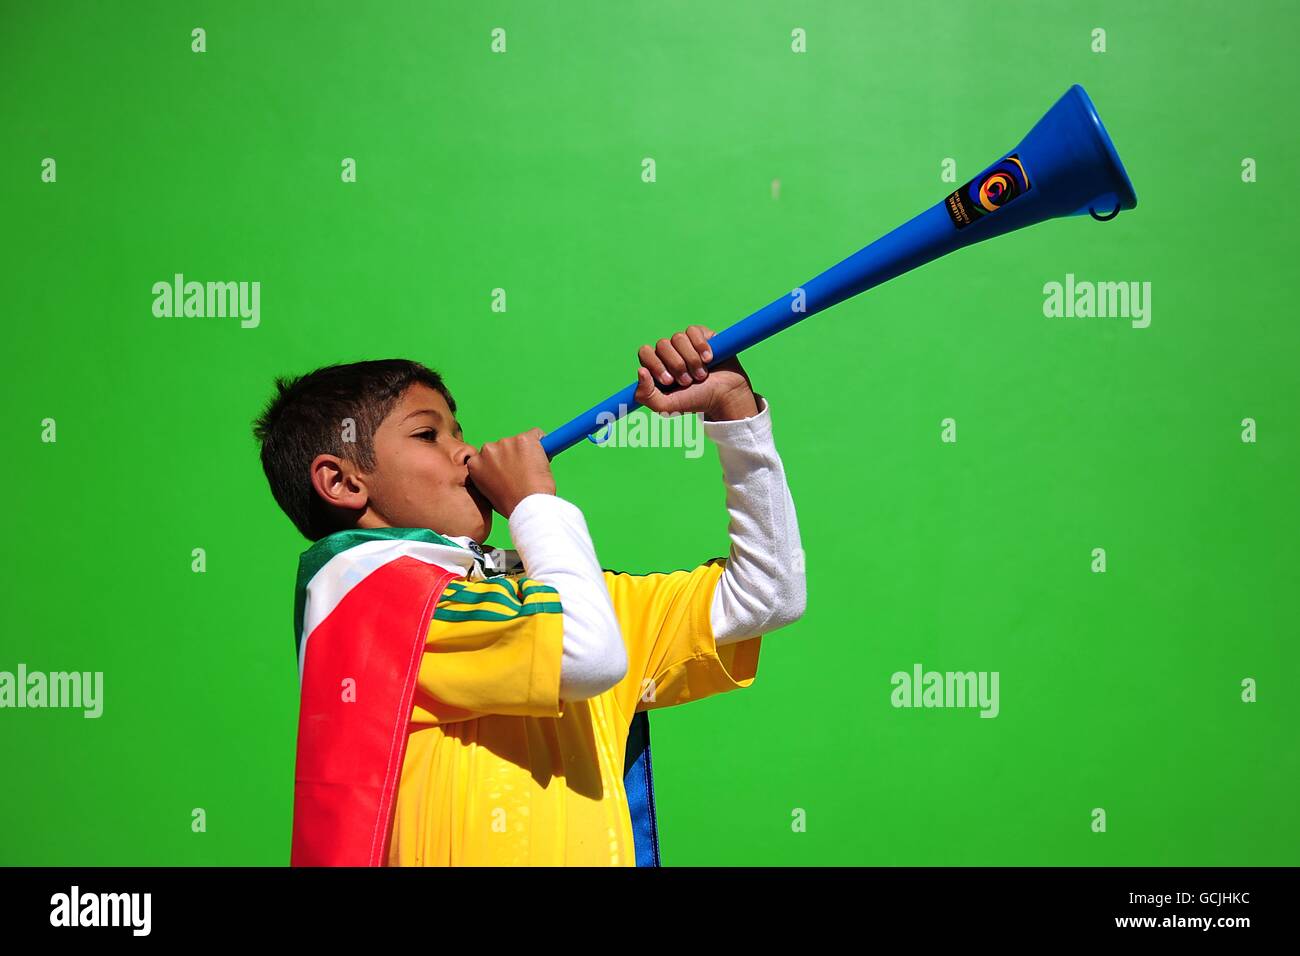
[(475, 531), (476, 526)]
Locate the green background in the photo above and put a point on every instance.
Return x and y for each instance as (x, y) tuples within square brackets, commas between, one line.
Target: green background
[(523, 171)]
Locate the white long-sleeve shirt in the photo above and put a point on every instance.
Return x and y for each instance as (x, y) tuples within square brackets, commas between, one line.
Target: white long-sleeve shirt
[(761, 589)]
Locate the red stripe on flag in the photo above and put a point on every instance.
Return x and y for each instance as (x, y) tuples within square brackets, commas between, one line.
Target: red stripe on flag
[(350, 753)]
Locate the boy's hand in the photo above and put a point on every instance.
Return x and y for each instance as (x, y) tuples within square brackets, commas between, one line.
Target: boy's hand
[(508, 470), (722, 393)]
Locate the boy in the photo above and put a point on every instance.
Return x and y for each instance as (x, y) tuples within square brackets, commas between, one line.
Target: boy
[(470, 705)]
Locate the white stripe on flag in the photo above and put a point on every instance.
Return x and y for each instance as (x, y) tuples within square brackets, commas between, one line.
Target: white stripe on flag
[(346, 570)]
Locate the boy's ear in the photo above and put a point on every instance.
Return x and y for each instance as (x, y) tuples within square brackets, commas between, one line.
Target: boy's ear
[(338, 484)]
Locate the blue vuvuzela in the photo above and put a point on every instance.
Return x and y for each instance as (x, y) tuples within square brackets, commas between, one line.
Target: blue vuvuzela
[(1065, 166)]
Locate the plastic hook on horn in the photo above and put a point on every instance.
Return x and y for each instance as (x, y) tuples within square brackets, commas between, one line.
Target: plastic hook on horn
[(1109, 216)]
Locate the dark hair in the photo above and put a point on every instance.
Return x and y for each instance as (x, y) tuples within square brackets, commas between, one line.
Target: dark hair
[(305, 419)]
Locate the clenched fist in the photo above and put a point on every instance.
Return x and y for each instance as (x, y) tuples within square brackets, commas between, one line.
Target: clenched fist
[(680, 364), (508, 470)]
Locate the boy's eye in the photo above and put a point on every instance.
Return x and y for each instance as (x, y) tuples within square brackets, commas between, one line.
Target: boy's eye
[(430, 435)]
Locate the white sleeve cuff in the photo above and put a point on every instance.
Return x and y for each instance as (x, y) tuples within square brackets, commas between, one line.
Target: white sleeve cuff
[(752, 432)]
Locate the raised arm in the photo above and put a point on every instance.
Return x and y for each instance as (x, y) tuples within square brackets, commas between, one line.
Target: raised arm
[(763, 586)]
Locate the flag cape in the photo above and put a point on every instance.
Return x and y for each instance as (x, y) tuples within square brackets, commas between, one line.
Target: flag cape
[(362, 610)]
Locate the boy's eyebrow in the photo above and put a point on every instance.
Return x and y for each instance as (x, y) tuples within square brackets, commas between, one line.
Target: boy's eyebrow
[(434, 413)]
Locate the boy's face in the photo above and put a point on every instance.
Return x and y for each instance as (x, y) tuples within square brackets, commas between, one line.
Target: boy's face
[(420, 478)]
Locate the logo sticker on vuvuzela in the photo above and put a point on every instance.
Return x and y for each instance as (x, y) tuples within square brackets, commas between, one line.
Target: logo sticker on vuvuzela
[(988, 192)]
